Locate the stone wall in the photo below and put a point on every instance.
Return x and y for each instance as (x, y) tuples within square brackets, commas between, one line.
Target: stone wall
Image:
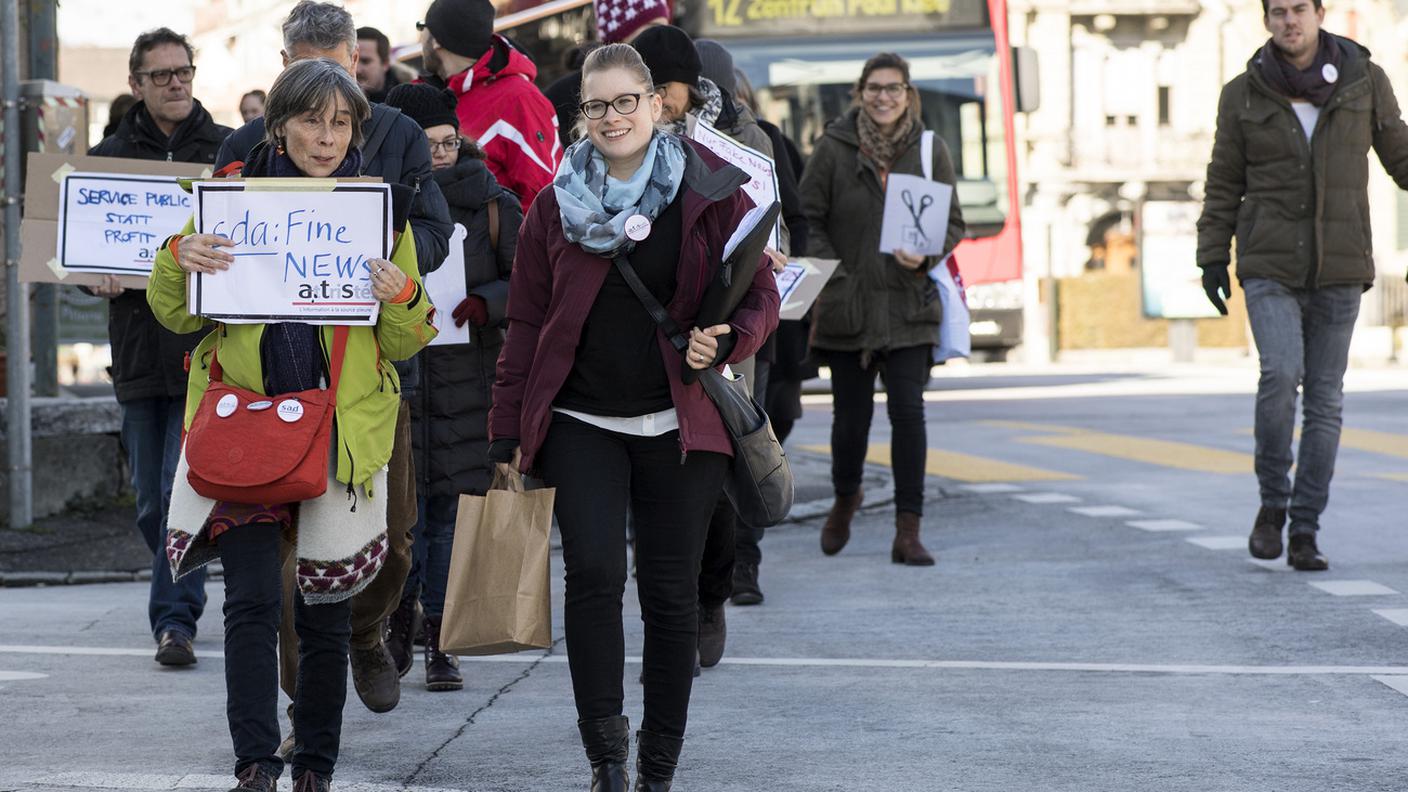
[(76, 454)]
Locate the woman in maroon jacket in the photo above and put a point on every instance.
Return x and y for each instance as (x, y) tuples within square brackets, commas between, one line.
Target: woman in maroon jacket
[(589, 395)]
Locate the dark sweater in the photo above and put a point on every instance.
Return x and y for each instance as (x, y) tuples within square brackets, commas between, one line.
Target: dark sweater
[(618, 371)]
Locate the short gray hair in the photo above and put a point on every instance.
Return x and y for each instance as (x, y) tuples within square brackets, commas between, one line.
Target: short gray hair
[(313, 85), (322, 26)]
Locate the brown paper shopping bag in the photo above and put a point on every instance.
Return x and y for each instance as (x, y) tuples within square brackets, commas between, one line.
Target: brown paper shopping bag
[(499, 599)]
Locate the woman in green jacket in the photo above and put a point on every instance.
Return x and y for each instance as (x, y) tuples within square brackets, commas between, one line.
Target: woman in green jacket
[(314, 118), (878, 313)]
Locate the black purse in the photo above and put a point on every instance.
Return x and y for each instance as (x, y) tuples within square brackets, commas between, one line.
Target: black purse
[(759, 484)]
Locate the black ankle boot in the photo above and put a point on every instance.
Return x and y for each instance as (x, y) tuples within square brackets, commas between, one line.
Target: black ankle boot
[(656, 758), (608, 745)]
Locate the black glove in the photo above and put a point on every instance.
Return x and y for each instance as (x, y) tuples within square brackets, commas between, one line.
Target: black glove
[(1217, 284)]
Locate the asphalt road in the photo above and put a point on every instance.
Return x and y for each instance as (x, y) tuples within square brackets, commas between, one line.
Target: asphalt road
[(1094, 623)]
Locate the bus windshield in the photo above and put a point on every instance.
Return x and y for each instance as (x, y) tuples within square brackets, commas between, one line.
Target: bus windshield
[(803, 84)]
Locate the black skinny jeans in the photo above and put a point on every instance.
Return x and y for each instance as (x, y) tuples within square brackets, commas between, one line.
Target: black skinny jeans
[(253, 607), (853, 397), (598, 474)]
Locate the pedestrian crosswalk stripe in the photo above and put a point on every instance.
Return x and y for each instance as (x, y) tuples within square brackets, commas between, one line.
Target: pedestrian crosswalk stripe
[(1047, 497), (1166, 453), (991, 489), (1218, 543), (1353, 588), (1397, 682), (1160, 526), (1104, 511), (962, 467), (1398, 616)]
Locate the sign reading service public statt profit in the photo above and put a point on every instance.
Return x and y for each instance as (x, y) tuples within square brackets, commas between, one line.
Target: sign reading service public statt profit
[(303, 250), (113, 224)]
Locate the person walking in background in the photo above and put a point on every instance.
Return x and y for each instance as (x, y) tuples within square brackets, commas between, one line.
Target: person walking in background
[(314, 116), (148, 360), (375, 72), (1298, 206), (450, 416), (589, 393), (499, 106), (252, 105), (397, 152), (878, 312)]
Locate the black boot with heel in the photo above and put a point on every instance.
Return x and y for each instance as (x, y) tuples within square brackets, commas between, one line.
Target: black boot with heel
[(608, 745)]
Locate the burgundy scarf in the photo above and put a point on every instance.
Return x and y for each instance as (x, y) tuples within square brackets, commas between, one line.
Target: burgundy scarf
[(1312, 84)]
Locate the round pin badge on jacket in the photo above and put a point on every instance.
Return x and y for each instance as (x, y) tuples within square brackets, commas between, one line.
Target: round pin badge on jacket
[(290, 410), (1330, 73), (637, 227), (227, 405)]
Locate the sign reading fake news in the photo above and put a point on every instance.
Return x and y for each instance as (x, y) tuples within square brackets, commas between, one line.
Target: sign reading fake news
[(303, 250), (113, 224)]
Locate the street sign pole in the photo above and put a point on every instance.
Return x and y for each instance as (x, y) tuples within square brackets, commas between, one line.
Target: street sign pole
[(17, 428)]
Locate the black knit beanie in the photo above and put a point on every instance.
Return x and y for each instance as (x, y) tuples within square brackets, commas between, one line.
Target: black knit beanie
[(464, 27), (424, 104), (669, 54)]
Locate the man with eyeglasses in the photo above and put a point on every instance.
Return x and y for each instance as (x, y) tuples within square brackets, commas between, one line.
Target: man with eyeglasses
[(499, 108), (148, 361)]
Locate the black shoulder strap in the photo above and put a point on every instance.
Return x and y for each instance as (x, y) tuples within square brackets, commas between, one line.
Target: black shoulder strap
[(381, 127), (652, 305)]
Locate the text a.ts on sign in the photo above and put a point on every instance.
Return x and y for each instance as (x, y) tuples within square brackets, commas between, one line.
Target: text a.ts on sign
[(114, 224)]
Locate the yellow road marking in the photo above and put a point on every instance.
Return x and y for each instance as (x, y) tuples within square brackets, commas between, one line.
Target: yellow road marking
[(1025, 426), (963, 467), (1375, 442), (1166, 453), (1392, 476)]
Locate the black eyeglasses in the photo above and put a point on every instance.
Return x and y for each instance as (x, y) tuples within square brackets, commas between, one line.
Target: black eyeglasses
[(892, 90), (421, 26), (625, 104), (162, 77)]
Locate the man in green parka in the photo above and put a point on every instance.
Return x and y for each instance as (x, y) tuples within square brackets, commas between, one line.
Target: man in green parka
[(1289, 181)]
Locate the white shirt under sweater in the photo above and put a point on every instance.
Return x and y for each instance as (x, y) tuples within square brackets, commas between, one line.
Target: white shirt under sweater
[(1308, 114)]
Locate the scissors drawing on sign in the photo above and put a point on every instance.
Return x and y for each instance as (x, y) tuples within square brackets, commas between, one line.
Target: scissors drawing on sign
[(917, 212)]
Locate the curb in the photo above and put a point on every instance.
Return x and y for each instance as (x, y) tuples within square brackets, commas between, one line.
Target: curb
[(84, 577)]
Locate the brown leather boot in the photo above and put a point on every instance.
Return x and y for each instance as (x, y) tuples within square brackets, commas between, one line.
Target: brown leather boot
[(837, 530), (907, 549)]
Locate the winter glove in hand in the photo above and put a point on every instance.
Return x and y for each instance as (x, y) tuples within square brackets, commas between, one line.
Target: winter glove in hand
[(471, 309), (1215, 280)]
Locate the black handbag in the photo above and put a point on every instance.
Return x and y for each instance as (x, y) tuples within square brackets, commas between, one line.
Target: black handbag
[(759, 484)]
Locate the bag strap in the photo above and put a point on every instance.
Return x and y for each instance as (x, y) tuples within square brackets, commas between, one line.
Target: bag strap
[(381, 127), (493, 207), (926, 153), (339, 354), (652, 305)]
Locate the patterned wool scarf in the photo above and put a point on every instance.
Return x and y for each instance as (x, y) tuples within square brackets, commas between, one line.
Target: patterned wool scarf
[(595, 207), (883, 147)]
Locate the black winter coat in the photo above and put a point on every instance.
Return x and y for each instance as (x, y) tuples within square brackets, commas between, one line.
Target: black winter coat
[(450, 414), (149, 361), (404, 158)]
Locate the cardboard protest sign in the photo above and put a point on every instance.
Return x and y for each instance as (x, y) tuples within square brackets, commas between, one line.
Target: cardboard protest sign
[(916, 215), (40, 230), (303, 250), (800, 283), (446, 287), (761, 187), (114, 224)]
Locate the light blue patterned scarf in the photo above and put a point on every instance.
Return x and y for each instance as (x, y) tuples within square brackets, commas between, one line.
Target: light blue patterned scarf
[(595, 207)]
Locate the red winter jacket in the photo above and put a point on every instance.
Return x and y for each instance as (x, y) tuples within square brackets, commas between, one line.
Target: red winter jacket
[(555, 283), (516, 125)]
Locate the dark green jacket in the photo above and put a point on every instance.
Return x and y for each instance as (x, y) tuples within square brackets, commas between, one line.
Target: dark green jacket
[(871, 303), (1300, 211)]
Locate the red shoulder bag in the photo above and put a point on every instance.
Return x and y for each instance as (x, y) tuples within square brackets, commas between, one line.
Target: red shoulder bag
[(244, 447)]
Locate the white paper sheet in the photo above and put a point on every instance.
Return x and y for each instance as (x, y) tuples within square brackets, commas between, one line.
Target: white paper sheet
[(446, 287), (762, 187), (113, 223), (916, 215)]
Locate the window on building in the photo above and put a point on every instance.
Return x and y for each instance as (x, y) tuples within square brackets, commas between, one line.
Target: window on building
[(1164, 106)]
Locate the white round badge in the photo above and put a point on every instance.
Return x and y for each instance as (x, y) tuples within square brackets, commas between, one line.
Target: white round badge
[(290, 410), (1330, 73), (637, 227), (227, 405), (259, 405)]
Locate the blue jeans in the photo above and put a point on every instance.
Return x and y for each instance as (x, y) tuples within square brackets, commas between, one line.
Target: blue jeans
[(151, 433), (1303, 337), (430, 551)]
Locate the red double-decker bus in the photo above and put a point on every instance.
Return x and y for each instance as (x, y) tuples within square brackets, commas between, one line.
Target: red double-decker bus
[(803, 57)]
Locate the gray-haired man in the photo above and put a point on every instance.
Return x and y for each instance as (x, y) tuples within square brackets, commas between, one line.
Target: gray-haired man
[(395, 150)]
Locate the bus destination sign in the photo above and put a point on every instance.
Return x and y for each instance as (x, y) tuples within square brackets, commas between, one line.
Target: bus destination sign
[(720, 18)]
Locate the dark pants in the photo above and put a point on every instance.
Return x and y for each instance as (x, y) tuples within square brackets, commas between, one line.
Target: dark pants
[(598, 475), (371, 605), (720, 551), (853, 393), (431, 551), (1303, 338), (253, 604), (151, 433)]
